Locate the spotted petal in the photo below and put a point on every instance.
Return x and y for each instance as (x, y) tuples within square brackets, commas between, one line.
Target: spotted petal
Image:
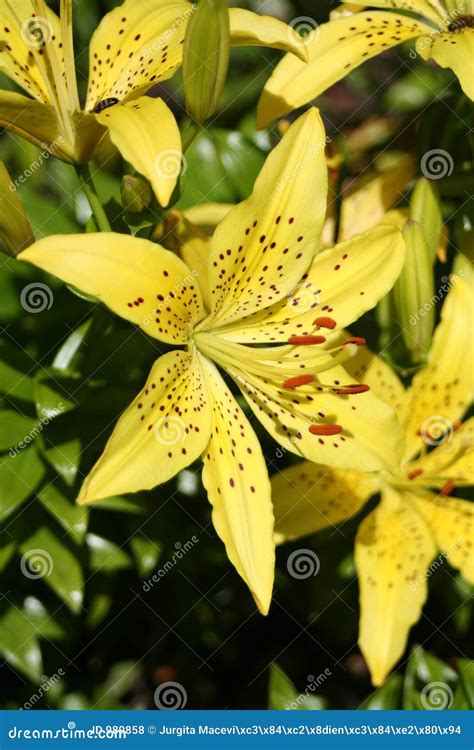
[(266, 243), (309, 497), (140, 44), (450, 461), (367, 367), (139, 280), (343, 282), (147, 135), (453, 50), (442, 391), (394, 548), (452, 522), (337, 48), (371, 438), (236, 480), (164, 430)]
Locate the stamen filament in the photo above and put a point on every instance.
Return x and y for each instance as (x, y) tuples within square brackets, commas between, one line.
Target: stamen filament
[(69, 61)]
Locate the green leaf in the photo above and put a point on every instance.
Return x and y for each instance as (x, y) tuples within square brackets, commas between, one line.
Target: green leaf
[(42, 620), (49, 402), (7, 549), (16, 430), (20, 474), (387, 697), (15, 383), (19, 644), (426, 210), (120, 680), (146, 553), (58, 566), (283, 696), (72, 517), (105, 555), (429, 682), (466, 672), (64, 459)]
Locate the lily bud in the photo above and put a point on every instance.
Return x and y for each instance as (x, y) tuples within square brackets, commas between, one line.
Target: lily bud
[(136, 194), (206, 58), (15, 229), (426, 210), (414, 293)]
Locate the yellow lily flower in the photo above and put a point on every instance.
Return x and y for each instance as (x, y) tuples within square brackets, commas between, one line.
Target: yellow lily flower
[(135, 46), (397, 543), (259, 287), (15, 229), (443, 29)]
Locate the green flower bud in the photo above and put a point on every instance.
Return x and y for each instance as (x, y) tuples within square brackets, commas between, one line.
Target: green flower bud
[(136, 194), (15, 229), (206, 58), (426, 210), (414, 295)]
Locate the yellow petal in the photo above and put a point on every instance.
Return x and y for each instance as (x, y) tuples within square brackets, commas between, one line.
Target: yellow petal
[(184, 238), (252, 29), (343, 282), (38, 123), (20, 36), (371, 438), (164, 430), (208, 216), (147, 135), (15, 229), (367, 367), (265, 244), (453, 50), (441, 392), (432, 9), (337, 48), (394, 548), (367, 205), (451, 461), (137, 279), (452, 523), (236, 480), (135, 46), (309, 497)]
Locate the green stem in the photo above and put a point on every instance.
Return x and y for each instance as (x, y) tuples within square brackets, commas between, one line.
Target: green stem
[(191, 133), (85, 178)]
